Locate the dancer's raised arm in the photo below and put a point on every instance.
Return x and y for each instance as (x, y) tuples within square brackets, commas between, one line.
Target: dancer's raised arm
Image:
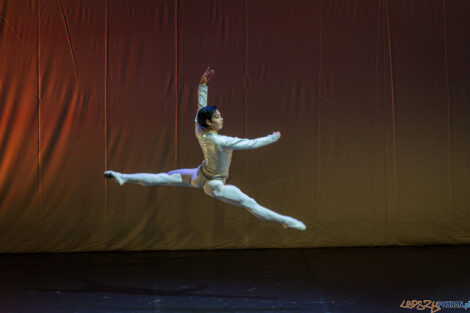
[(202, 89)]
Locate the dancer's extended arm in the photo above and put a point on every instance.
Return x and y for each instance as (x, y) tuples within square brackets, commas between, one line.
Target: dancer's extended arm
[(234, 143)]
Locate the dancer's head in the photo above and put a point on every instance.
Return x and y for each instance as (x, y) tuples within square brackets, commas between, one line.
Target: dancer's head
[(210, 118)]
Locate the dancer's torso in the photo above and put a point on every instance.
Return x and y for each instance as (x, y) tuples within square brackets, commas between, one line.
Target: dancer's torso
[(216, 159)]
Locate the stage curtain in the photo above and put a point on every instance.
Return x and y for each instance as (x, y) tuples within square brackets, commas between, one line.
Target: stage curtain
[(371, 98)]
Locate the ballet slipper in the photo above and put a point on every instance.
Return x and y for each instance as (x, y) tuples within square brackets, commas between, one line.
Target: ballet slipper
[(293, 223), (115, 176)]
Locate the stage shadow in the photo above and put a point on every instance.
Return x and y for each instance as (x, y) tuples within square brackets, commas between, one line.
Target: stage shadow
[(92, 286)]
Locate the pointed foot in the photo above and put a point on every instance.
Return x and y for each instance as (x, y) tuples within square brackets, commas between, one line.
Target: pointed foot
[(293, 223), (115, 176)]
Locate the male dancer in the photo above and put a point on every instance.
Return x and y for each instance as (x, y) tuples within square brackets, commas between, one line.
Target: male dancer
[(212, 174)]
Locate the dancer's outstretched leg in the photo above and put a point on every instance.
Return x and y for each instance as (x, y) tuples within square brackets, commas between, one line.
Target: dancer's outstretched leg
[(180, 177), (232, 195)]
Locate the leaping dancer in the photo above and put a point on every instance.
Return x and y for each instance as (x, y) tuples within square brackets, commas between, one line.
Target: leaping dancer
[(212, 174)]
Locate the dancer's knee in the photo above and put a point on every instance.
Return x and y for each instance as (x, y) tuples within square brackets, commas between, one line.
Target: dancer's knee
[(248, 202), (240, 196)]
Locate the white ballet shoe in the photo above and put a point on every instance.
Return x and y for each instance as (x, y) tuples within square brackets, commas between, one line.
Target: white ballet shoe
[(115, 176), (293, 223)]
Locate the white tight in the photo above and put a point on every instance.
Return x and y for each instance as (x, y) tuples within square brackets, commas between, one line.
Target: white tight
[(177, 178), (213, 188)]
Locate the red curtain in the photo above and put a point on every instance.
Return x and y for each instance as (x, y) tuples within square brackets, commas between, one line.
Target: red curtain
[(371, 98)]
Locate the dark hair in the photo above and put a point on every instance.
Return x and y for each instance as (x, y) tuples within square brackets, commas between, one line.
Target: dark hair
[(205, 114)]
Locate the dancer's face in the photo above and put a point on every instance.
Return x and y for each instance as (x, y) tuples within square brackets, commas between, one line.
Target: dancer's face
[(217, 121)]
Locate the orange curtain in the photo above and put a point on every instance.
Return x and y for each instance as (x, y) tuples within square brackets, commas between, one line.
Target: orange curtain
[(371, 98)]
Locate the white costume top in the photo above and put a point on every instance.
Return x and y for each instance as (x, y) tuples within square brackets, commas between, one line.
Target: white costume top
[(217, 149)]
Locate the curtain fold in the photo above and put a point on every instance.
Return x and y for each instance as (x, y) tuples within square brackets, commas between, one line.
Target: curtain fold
[(371, 99)]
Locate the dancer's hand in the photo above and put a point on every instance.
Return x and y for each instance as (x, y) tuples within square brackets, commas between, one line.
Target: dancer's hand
[(278, 134), (207, 75)]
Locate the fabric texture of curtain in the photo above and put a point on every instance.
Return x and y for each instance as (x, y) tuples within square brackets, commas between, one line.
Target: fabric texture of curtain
[(371, 99)]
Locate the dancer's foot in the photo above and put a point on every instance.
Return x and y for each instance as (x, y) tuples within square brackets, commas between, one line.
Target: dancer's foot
[(293, 223), (115, 176)]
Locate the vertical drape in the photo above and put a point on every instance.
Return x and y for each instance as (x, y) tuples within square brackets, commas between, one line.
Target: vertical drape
[(371, 99)]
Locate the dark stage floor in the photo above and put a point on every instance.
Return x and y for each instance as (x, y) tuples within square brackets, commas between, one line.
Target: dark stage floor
[(286, 280)]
